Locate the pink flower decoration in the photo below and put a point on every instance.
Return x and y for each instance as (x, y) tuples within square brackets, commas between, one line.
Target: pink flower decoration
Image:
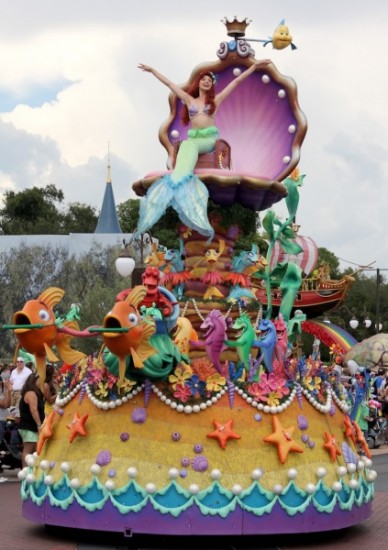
[(182, 392)]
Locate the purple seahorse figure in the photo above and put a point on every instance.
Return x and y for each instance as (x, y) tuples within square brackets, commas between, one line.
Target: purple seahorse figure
[(214, 334)]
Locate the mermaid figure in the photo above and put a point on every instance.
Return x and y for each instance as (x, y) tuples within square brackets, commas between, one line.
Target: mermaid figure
[(181, 189)]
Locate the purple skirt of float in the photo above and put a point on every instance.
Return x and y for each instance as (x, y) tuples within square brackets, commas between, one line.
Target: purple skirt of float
[(192, 522)]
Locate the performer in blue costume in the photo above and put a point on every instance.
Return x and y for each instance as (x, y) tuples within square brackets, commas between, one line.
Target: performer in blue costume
[(182, 190)]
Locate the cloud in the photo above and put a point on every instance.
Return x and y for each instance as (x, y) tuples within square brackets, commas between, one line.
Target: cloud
[(70, 85)]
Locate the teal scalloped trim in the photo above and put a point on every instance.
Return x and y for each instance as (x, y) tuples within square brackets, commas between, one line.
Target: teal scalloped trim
[(213, 501)]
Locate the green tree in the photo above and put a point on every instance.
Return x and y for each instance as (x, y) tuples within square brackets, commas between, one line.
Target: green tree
[(36, 211), (79, 218), (31, 211), (325, 256)]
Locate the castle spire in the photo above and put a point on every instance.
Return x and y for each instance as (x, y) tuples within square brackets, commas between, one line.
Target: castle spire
[(108, 221)]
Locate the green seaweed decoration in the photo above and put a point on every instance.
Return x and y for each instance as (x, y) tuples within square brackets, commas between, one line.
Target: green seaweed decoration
[(286, 275)]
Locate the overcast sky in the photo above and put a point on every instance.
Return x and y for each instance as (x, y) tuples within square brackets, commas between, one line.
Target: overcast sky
[(70, 85)]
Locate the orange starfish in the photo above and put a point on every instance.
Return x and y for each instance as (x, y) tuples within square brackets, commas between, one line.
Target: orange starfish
[(349, 430), (46, 432), (331, 446), (223, 432), (361, 439), (77, 426), (282, 438)]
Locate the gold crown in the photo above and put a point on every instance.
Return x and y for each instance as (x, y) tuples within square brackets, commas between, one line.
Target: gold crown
[(236, 28)]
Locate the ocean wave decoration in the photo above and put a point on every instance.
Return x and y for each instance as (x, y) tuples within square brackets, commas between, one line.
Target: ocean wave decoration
[(215, 500)]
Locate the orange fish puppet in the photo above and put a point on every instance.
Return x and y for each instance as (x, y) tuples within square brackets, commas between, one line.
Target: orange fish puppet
[(43, 333), (133, 332)]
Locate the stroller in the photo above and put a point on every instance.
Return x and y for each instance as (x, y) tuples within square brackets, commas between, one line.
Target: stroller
[(11, 446), (376, 435)]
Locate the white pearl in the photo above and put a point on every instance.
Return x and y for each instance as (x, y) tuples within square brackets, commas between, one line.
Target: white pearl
[(337, 486), (292, 473), (48, 480), (22, 474), (44, 465), (112, 404), (168, 402), (95, 469), (292, 128), (105, 406), (30, 461), (180, 407), (194, 489), (132, 472), (188, 409), (286, 160), (175, 134), (341, 470), (173, 405), (196, 408), (371, 475), (163, 398), (351, 468), (150, 488), (236, 71), (109, 484), (65, 467), (236, 489), (215, 474), (173, 473), (75, 483), (265, 79), (353, 484), (321, 472), (277, 489), (310, 488), (257, 474), (214, 399), (281, 94), (266, 409), (202, 406), (360, 465), (30, 478)]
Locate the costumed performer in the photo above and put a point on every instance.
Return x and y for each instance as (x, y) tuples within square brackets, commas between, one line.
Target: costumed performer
[(181, 189)]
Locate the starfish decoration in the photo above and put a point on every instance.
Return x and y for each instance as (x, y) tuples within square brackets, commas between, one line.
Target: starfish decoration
[(282, 438), (349, 430), (223, 432), (331, 446), (361, 439), (77, 426), (46, 432)]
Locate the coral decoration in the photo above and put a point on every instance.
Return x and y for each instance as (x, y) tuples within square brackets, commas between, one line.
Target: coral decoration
[(223, 432), (46, 432), (349, 430), (361, 439), (282, 438), (77, 426), (331, 446)]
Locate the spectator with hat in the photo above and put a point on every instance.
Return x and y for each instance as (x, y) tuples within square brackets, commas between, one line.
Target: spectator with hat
[(18, 376)]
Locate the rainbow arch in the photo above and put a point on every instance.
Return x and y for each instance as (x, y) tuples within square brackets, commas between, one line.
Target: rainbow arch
[(330, 334)]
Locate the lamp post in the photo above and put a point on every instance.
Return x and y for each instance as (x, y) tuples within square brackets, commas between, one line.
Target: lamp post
[(353, 322), (126, 264)]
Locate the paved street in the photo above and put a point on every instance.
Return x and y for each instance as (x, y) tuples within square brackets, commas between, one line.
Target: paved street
[(19, 534)]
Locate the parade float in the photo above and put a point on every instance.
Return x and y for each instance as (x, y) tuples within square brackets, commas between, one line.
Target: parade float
[(193, 418)]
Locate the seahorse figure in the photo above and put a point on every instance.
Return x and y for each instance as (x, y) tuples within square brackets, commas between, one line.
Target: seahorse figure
[(214, 333)]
